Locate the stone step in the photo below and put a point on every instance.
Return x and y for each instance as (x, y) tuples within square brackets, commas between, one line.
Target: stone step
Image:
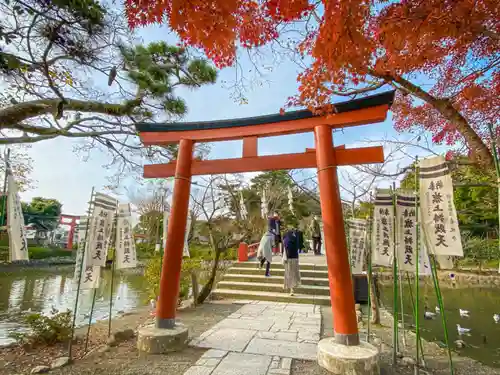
[(279, 265), (277, 272), (270, 296), (272, 279), (276, 288)]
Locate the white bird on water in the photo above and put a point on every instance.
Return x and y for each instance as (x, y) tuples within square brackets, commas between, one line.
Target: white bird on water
[(464, 313), (438, 310), (462, 330), (429, 315), (496, 318)]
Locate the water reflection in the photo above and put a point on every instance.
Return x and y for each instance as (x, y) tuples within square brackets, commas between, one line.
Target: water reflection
[(41, 291), (483, 344)]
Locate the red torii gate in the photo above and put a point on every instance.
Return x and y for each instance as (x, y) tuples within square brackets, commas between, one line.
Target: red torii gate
[(72, 225), (325, 158)]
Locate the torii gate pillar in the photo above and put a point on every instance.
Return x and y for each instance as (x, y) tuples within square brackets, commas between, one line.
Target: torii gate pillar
[(172, 257), (339, 273)]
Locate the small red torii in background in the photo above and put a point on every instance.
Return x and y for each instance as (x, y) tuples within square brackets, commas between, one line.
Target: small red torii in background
[(72, 225)]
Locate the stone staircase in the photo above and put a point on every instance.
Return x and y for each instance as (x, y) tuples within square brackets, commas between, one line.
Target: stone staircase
[(246, 281)]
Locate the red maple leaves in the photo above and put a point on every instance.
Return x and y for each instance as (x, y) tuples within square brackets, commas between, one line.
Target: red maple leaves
[(433, 50)]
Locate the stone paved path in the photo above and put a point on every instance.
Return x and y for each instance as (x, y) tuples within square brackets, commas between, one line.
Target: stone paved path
[(261, 338)]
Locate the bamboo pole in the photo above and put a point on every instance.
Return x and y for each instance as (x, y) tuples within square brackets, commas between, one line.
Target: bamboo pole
[(443, 314), (4, 197), (89, 212), (395, 341), (4, 201), (369, 273), (497, 168), (90, 320), (417, 276), (113, 272), (410, 290)]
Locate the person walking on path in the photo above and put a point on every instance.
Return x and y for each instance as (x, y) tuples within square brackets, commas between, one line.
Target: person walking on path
[(291, 260), (316, 235), (274, 226), (265, 251)]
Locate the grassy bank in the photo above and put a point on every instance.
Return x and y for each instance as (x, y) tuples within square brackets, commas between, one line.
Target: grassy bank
[(37, 253)]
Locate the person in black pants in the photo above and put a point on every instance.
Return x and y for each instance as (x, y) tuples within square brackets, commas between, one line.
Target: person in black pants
[(316, 235), (265, 251), (291, 260)]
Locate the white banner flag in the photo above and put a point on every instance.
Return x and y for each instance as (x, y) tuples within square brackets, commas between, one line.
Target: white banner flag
[(263, 205), (243, 208), (357, 244), (15, 222), (125, 244), (166, 215), (100, 232), (406, 230), (185, 250), (290, 199), (81, 230), (323, 246), (383, 235), (90, 277), (439, 216)]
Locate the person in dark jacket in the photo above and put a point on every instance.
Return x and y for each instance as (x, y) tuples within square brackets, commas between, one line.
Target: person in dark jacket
[(291, 260), (274, 226), (315, 230)]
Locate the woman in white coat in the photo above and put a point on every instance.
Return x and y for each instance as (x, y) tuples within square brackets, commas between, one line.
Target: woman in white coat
[(265, 251)]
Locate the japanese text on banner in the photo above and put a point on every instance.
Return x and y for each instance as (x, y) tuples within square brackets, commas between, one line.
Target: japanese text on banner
[(439, 216), (125, 246), (81, 231), (382, 236), (406, 230), (100, 232), (357, 244), (15, 222)]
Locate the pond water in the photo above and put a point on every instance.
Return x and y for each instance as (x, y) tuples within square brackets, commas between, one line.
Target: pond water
[(41, 290), (483, 342)]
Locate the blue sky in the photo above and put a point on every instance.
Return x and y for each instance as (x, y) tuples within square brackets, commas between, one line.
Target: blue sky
[(61, 174)]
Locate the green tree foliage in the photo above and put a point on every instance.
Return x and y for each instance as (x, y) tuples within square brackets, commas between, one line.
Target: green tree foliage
[(43, 212), (275, 184), (475, 195), (55, 60)]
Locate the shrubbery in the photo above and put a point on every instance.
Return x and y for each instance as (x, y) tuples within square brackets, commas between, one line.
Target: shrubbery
[(153, 271), (43, 329), (201, 257)]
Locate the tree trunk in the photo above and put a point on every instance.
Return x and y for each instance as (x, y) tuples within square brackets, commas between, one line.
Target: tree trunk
[(195, 286), (207, 288), (375, 313)]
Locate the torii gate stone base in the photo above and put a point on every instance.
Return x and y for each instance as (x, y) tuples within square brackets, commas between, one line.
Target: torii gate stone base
[(342, 354)]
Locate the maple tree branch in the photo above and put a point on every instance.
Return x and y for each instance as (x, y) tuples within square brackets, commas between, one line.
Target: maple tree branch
[(361, 90), (445, 107)]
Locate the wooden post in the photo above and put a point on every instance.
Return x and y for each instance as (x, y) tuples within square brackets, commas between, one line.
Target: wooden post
[(172, 258), (339, 274)]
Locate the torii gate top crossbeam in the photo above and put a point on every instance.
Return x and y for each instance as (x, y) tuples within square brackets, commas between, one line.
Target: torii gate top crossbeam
[(361, 111)]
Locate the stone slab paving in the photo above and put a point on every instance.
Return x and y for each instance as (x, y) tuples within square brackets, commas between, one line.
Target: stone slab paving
[(261, 338)]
